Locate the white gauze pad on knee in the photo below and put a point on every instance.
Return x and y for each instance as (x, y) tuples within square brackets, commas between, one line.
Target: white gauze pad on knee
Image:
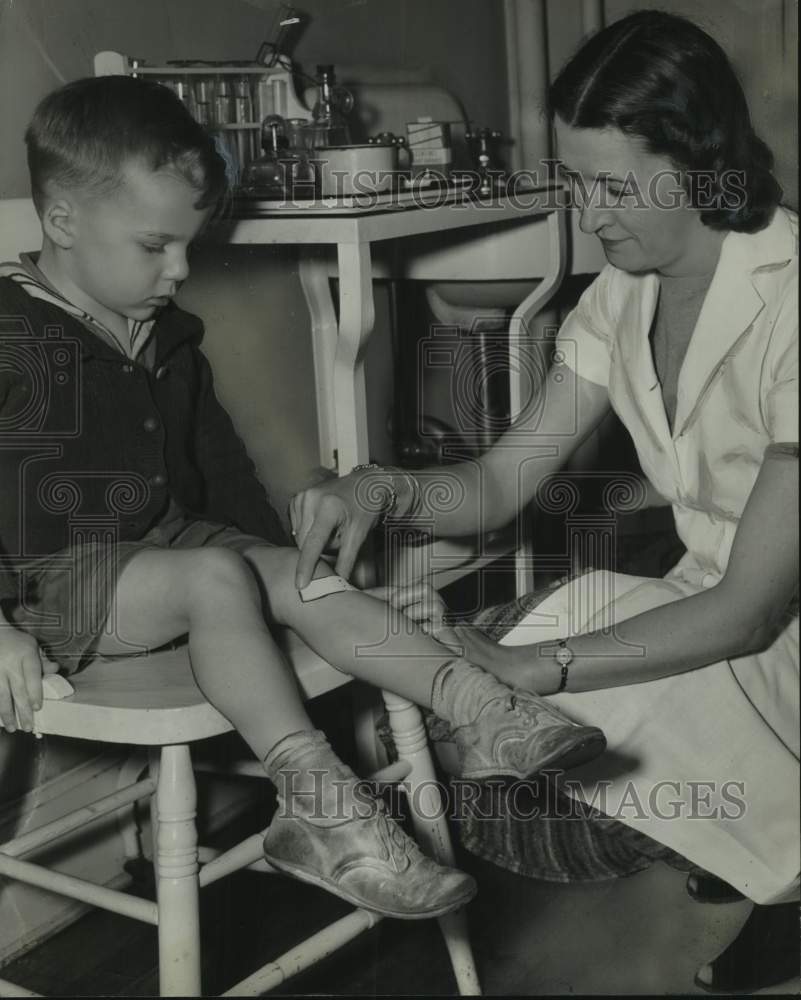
[(324, 586)]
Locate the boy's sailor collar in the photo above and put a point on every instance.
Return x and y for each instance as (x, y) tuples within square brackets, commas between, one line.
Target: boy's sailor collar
[(27, 275)]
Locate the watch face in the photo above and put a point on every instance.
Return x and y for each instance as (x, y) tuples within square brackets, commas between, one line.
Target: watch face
[(564, 656)]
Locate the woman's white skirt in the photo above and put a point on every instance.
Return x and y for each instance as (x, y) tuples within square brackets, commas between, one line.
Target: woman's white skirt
[(705, 761)]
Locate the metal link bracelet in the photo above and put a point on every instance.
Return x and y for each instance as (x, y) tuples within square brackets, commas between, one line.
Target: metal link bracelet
[(392, 494)]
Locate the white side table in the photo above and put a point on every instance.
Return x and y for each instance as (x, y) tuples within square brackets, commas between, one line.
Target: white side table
[(340, 342)]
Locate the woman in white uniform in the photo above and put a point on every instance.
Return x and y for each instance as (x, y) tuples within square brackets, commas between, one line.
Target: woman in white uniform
[(690, 333)]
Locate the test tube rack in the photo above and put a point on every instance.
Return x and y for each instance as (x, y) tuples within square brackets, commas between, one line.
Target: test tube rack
[(231, 98)]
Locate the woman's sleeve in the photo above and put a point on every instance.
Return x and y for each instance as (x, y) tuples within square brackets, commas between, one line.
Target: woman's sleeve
[(587, 335), (780, 381)]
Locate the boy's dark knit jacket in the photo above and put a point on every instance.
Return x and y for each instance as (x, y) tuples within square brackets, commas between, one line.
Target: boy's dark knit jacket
[(92, 444)]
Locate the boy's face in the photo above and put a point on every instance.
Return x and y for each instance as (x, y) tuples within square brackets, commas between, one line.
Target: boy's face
[(129, 250)]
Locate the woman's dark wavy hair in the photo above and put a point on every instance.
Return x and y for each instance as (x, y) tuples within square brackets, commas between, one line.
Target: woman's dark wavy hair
[(82, 134), (660, 78)]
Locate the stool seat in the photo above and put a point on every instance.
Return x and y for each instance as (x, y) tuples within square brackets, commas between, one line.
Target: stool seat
[(155, 700)]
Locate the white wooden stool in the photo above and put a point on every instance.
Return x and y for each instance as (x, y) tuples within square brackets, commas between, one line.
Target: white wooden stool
[(152, 702)]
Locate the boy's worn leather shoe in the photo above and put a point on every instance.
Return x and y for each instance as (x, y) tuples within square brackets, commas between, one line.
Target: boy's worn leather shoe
[(503, 732), (518, 735), (367, 861)]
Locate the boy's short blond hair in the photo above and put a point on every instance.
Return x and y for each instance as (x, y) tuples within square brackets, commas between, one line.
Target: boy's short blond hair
[(83, 134)]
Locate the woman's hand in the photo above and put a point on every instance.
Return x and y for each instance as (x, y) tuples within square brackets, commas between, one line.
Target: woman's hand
[(421, 603), (20, 679), (517, 666), (330, 514), (484, 652)]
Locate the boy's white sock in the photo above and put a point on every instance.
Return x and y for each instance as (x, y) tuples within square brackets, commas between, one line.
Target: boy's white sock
[(314, 783)]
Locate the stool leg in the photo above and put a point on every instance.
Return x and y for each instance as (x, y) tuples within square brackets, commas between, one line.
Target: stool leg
[(367, 708), (431, 827), (176, 863), (127, 823)]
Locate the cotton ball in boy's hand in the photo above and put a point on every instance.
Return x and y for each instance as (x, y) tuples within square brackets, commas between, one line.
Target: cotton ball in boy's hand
[(55, 687)]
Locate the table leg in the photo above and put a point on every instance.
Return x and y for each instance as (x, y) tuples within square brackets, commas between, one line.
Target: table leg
[(316, 286), (339, 350), (521, 346), (356, 319)]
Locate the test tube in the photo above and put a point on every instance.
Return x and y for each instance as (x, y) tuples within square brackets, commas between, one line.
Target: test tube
[(183, 89), (244, 102), (224, 102), (204, 89), (244, 113)]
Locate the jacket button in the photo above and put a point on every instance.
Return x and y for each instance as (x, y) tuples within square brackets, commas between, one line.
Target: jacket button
[(161, 372), (127, 368), (150, 424), (158, 480)]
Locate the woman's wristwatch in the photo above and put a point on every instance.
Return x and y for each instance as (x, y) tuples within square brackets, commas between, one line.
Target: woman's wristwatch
[(564, 657)]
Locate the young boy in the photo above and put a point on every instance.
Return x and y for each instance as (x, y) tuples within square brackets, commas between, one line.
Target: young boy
[(131, 513)]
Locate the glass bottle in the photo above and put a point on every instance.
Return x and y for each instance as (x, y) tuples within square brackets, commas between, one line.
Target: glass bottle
[(329, 127)]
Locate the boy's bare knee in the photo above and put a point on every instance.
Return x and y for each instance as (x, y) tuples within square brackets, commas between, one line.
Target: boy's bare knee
[(215, 572)]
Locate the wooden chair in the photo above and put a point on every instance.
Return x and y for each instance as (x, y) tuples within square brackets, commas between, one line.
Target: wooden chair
[(153, 703)]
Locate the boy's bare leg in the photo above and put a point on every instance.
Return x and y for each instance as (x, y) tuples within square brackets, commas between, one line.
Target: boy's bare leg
[(211, 594), (353, 631), (325, 831), (499, 732)]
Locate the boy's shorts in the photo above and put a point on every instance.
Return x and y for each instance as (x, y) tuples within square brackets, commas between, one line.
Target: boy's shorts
[(68, 595)]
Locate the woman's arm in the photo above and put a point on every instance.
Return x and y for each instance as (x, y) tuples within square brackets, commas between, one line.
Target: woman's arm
[(535, 446), (490, 491), (741, 615)]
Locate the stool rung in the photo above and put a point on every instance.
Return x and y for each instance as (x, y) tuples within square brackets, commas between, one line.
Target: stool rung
[(208, 854), (237, 768), (77, 818), (78, 888), (253, 769), (392, 774), (307, 953), (241, 856)]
